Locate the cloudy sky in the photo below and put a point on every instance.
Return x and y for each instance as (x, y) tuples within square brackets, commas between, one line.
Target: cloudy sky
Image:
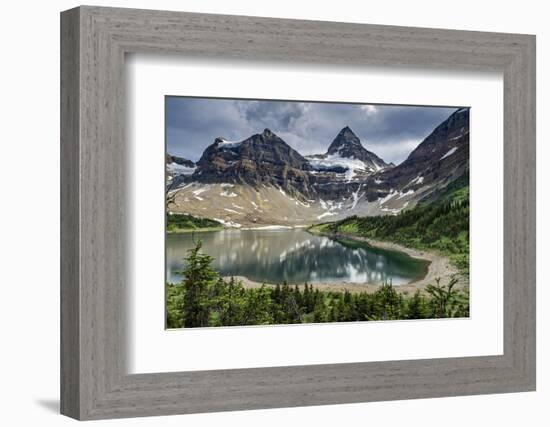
[(390, 131)]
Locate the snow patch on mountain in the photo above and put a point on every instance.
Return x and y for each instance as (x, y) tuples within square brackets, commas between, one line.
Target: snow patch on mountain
[(331, 207), (283, 193), (418, 180), (228, 223), (406, 193), (356, 198), (332, 161), (448, 153), (178, 169), (326, 214), (377, 167), (304, 204), (231, 210), (224, 143), (388, 197), (200, 190)]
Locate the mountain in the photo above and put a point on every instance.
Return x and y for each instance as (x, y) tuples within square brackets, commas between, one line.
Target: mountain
[(347, 145), (347, 155), (346, 164), (441, 158), (262, 159), (441, 152), (263, 181), (179, 161), (178, 169)]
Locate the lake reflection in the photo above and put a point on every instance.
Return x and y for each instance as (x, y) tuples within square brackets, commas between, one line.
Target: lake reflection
[(296, 256)]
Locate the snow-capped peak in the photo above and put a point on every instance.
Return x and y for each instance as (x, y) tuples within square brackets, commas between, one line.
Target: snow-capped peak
[(224, 143), (333, 161)]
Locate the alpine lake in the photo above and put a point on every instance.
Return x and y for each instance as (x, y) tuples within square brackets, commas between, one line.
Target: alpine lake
[(293, 255)]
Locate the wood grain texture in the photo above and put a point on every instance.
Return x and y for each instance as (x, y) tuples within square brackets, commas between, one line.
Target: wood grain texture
[(70, 296), (94, 272)]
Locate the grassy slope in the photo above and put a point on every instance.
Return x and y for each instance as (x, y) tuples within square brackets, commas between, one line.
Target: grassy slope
[(180, 223), (442, 225)]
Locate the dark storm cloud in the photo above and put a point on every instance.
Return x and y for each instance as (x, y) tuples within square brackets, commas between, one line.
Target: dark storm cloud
[(392, 132), (272, 113)]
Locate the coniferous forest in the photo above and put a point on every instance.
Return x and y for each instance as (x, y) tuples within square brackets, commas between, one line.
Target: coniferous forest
[(205, 299), (442, 226)]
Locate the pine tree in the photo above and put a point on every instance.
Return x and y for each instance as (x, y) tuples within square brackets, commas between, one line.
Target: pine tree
[(298, 296), (320, 313), (277, 293), (444, 298), (199, 278), (306, 300), (388, 302), (416, 308)]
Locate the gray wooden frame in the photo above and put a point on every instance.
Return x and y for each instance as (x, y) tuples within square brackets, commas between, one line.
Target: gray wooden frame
[(94, 41)]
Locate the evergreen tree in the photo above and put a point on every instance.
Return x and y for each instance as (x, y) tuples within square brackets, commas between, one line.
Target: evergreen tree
[(416, 308), (199, 278), (204, 298), (444, 298), (174, 306), (388, 302), (257, 308), (320, 312)]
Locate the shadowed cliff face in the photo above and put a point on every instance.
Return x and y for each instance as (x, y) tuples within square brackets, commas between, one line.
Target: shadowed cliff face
[(262, 159), (442, 157)]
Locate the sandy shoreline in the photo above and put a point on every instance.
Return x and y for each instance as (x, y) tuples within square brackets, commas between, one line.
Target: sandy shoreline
[(439, 266)]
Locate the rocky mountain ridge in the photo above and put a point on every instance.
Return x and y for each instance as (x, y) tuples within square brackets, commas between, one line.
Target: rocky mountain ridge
[(171, 159), (348, 146), (262, 159), (346, 180)]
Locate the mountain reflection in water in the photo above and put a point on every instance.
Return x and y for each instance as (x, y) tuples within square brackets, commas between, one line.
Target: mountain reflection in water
[(273, 256)]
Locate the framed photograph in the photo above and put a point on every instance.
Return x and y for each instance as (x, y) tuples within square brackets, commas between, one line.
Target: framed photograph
[(262, 213), (259, 233)]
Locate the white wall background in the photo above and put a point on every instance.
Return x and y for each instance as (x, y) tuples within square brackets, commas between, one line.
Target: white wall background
[(29, 225)]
